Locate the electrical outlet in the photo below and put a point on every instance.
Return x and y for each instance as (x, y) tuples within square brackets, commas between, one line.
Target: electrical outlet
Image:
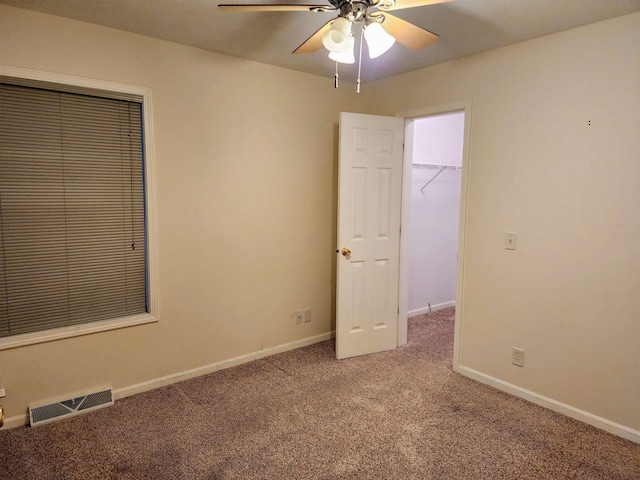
[(299, 316), (307, 315), (518, 357)]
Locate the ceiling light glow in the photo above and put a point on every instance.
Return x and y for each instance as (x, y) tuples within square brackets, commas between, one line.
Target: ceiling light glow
[(378, 40)]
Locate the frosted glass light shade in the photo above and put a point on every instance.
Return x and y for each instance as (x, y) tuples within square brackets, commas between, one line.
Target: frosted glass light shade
[(336, 39), (378, 41), (347, 56)]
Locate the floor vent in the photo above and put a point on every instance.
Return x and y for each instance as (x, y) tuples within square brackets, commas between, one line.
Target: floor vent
[(69, 407)]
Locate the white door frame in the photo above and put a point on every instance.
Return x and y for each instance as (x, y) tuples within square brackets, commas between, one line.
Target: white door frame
[(404, 222)]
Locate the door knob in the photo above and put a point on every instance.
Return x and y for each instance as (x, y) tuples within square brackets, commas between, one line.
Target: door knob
[(346, 252)]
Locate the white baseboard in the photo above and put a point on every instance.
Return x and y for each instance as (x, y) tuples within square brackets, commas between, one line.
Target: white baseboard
[(433, 308), (214, 367), (564, 409), (15, 421), (21, 420)]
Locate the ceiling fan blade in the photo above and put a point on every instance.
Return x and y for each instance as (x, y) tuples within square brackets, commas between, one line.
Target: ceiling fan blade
[(400, 4), (314, 42), (408, 34), (234, 7)]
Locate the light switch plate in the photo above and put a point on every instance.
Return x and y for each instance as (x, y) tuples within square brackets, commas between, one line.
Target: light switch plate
[(510, 240)]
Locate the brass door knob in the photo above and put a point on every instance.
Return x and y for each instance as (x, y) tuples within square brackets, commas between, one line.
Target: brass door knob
[(346, 252)]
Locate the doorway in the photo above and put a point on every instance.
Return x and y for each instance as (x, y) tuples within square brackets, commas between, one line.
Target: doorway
[(434, 145), (433, 213)]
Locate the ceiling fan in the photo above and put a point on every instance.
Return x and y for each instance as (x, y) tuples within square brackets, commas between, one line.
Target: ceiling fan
[(380, 29)]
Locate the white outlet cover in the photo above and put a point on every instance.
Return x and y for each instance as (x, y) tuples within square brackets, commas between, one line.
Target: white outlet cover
[(518, 357)]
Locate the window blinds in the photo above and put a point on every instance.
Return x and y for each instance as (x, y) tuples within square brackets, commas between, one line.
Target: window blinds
[(72, 212)]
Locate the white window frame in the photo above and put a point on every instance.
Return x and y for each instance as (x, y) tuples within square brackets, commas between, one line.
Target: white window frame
[(152, 284)]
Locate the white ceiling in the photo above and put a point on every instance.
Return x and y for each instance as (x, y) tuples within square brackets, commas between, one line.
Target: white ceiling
[(465, 27)]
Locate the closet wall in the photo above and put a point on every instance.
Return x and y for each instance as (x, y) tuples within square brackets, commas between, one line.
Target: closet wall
[(436, 154)]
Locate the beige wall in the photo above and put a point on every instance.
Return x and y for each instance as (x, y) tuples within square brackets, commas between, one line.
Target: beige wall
[(246, 188), (245, 166), (570, 294)]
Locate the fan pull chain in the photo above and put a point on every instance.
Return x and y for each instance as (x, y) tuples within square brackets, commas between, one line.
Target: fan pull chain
[(335, 77), (360, 60)]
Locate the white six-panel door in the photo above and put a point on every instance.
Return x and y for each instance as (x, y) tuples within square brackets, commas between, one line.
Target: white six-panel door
[(369, 199)]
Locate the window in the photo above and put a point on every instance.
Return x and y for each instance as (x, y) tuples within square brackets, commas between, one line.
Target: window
[(74, 236)]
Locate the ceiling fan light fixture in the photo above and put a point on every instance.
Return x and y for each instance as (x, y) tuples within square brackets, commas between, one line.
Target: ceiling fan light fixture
[(378, 40), (336, 39), (347, 56)]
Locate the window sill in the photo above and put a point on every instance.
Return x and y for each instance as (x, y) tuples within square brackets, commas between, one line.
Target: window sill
[(25, 339)]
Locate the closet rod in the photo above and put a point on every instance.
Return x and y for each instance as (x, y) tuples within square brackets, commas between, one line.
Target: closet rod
[(434, 165), (442, 168)]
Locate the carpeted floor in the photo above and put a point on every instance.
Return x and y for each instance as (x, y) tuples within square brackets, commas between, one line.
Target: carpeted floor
[(304, 415)]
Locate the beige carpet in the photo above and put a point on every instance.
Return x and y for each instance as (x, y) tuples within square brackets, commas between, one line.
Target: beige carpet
[(303, 415)]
